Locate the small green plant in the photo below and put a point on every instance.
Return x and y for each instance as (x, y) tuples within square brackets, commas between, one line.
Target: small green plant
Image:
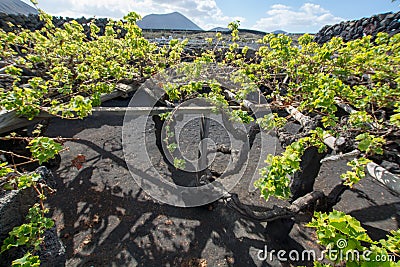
[(179, 163), (393, 242), (28, 260), (360, 119), (29, 235), (347, 241), (276, 177), (242, 116), (357, 171), (395, 118), (271, 121), (44, 148), (165, 116), (370, 144)]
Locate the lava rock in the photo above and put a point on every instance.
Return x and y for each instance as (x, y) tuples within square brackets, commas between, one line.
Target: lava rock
[(52, 252), (391, 166), (351, 30)]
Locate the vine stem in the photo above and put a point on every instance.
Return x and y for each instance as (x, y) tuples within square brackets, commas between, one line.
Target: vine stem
[(15, 155), (24, 163), (58, 139)]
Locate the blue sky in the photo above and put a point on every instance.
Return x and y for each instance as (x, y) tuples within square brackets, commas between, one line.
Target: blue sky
[(265, 15)]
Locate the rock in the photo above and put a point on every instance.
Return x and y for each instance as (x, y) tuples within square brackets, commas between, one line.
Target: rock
[(386, 22), (391, 166), (324, 28), (351, 30), (303, 181), (359, 30), (14, 206), (390, 16), (380, 29), (383, 16), (393, 32), (343, 34), (52, 252), (337, 29), (46, 175), (394, 25), (329, 33)]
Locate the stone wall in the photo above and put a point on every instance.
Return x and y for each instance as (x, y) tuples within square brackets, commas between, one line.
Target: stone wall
[(33, 23), (350, 30)]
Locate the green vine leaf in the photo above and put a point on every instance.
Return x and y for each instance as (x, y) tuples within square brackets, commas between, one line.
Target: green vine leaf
[(370, 144), (44, 148), (357, 171), (28, 260)]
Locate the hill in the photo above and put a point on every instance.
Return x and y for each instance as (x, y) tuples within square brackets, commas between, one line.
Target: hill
[(279, 32), (171, 21), (220, 29), (16, 7)]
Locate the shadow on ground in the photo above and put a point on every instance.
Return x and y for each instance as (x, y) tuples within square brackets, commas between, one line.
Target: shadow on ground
[(105, 219)]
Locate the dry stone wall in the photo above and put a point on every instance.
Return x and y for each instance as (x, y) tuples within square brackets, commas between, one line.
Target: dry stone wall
[(32, 22), (348, 30), (351, 30)]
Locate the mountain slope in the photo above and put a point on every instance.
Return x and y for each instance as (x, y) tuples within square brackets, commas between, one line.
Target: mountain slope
[(219, 29), (279, 32), (16, 7), (172, 21)]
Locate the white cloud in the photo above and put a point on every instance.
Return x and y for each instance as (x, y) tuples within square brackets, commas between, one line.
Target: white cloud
[(279, 6), (309, 18), (204, 13)]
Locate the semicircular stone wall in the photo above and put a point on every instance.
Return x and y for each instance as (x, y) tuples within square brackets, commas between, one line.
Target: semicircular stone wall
[(351, 30)]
